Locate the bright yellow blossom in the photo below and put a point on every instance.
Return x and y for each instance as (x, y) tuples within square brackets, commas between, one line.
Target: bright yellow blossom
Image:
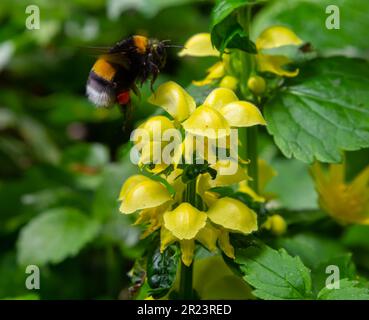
[(276, 224), (200, 45), (346, 202), (275, 37)]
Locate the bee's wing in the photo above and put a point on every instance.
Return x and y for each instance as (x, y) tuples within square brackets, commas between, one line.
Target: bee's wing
[(119, 58)]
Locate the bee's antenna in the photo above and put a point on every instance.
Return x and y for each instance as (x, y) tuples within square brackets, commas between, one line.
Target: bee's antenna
[(173, 46)]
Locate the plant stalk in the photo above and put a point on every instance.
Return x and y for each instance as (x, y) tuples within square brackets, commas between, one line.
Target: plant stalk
[(249, 136)]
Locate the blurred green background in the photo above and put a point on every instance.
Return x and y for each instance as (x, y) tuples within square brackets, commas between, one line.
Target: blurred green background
[(62, 161)]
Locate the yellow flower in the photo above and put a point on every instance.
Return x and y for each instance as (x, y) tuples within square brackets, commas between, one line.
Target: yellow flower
[(140, 192), (186, 224), (200, 45), (183, 224), (275, 37), (266, 173), (345, 202), (276, 224), (221, 110)]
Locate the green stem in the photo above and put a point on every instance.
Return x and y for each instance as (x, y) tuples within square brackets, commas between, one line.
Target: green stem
[(185, 286), (249, 136), (252, 155)]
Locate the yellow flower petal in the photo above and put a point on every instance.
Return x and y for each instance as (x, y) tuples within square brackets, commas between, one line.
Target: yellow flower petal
[(187, 249), (215, 72), (244, 187), (274, 37), (208, 122), (345, 202), (208, 236), (233, 215), (277, 36), (227, 179), (266, 173), (176, 182), (156, 126), (130, 183), (185, 221), (274, 64), (220, 97), (199, 45), (225, 244), (174, 99), (229, 82), (151, 152), (242, 114), (144, 195), (153, 217), (166, 238)]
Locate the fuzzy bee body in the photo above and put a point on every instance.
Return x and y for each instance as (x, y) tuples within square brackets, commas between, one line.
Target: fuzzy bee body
[(116, 72)]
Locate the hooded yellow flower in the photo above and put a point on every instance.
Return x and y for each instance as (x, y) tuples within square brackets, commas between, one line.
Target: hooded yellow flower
[(275, 37), (220, 111), (200, 45), (186, 224), (343, 201), (266, 173)]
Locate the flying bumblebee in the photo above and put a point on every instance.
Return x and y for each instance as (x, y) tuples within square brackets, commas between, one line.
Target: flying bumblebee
[(119, 69)]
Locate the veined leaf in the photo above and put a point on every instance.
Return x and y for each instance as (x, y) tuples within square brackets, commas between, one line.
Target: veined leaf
[(226, 31), (162, 270), (274, 274), (322, 111), (349, 290), (348, 39), (55, 235)]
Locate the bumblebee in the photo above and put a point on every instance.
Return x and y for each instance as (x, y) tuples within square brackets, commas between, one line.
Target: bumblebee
[(119, 69)]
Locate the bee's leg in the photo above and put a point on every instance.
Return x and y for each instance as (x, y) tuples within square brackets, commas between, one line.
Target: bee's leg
[(125, 106), (136, 91), (127, 117), (154, 70)]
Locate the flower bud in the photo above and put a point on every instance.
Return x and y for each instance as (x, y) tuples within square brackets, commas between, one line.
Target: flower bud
[(229, 82), (256, 85)]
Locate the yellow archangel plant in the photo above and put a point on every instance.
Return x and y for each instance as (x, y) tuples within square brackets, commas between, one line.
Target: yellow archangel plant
[(346, 202), (273, 37), (210, 220)]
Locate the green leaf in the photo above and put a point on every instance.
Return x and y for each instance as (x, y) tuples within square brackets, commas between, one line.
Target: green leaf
[(199, 93), (292, 193), (322, 111), (148, 7), (349, 290), (274, 274), (312, 249), (357, 236), (55, 235), (162, 270), (294, 14), (226, 32), (344, 264)]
